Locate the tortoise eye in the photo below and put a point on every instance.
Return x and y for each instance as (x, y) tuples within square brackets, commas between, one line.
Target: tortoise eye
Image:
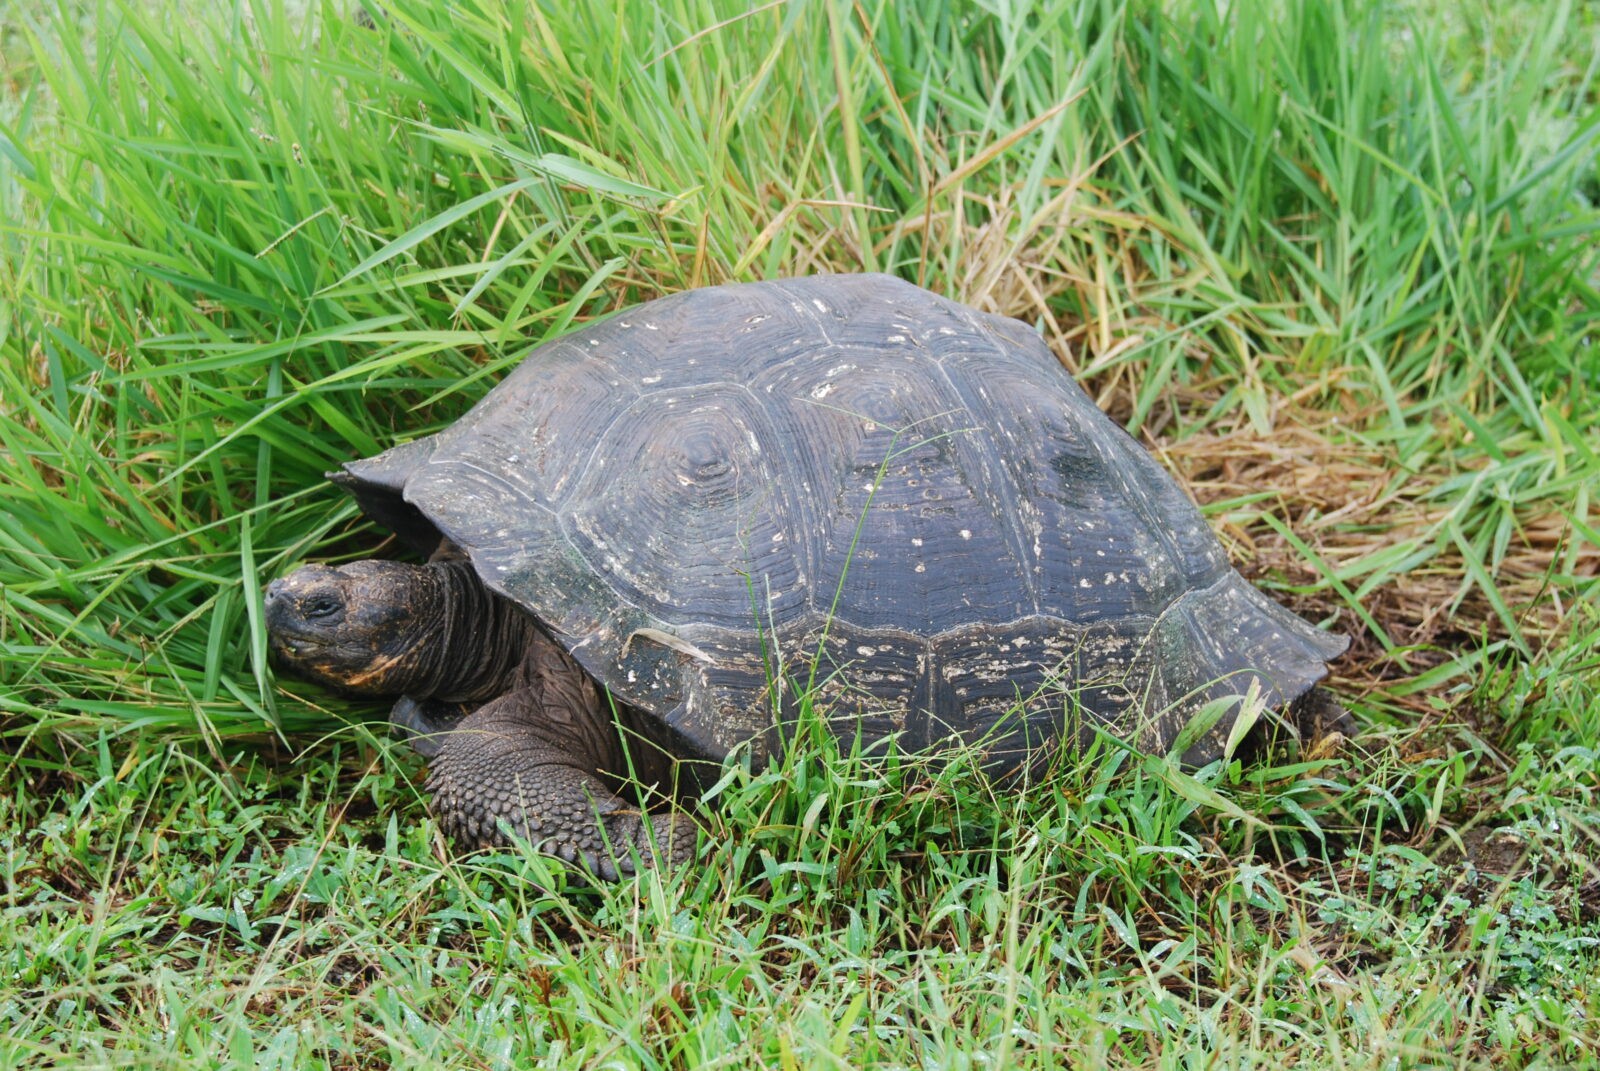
[(322, 606)]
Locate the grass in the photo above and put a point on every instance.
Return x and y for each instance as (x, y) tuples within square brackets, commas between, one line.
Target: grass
[(1335, 263)]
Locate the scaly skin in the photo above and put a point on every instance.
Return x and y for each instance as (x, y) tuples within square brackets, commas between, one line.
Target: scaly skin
[(542, 763), (512, 770), (541, 760)]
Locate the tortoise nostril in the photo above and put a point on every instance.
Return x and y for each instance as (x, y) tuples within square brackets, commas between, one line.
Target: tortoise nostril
[(275, 589)]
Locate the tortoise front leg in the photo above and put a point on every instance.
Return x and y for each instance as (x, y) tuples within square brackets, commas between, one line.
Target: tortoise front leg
[(522, 768)]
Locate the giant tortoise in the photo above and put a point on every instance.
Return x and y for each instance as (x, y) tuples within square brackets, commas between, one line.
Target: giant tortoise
[(659, 531)]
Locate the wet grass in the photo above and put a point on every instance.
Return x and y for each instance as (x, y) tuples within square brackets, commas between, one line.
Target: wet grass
[(1335, 264)]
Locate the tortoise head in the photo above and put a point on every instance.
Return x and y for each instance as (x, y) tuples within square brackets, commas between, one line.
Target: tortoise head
[(367, 627)]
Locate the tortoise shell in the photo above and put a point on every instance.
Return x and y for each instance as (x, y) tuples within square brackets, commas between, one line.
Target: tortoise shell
[(720, 499)]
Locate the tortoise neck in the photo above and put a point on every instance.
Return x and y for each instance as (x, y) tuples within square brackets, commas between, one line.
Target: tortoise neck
[(482, 641)]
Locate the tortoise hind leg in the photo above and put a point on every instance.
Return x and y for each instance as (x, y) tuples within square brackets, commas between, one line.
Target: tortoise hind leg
[(522, 768), (1321, 721)]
